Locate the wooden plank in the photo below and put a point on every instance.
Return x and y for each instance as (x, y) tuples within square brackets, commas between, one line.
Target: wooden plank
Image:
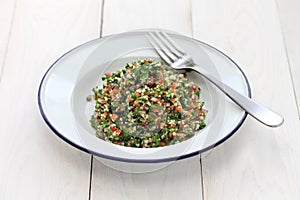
[(120, 16), (257, 162), (36, 164), (181, 180), (7, 8), (289, 15)]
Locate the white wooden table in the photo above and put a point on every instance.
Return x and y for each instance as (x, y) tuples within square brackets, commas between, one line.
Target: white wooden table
[(256, 163)]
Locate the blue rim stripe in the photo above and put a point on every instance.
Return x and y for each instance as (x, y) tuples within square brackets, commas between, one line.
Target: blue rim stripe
[(146, 160)]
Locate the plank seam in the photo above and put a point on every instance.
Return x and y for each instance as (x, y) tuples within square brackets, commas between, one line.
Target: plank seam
[(201, 176), (91, 176), (8, 39), (287, 57), (102, 16)]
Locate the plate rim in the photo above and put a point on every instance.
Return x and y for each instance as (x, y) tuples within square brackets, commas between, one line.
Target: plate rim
[(64, 138)]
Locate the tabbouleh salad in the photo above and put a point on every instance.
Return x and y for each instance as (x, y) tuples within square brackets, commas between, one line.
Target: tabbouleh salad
[(147, 104)]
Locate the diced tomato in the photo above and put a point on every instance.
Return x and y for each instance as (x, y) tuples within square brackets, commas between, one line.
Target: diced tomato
[(118, 132), (178, 109), (113, 128), (174, 85), (162, 144), (119, 143), (136, 103), (130, 100), (194, 87), (110, 86), (112, 92), (137, 94), (114, 117), (144, 124), (105, 114), (108, 74), (150, 84)]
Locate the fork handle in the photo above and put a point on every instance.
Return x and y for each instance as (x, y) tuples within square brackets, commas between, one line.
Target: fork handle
[(259, 112)]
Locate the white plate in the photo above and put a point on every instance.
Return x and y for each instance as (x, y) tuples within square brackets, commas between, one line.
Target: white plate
[(67, 83)]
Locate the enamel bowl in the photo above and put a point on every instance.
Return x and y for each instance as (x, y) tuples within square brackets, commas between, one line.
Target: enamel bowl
[(65, 86)]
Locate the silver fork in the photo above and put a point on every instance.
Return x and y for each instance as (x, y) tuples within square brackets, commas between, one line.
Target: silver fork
[(177, 58)]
